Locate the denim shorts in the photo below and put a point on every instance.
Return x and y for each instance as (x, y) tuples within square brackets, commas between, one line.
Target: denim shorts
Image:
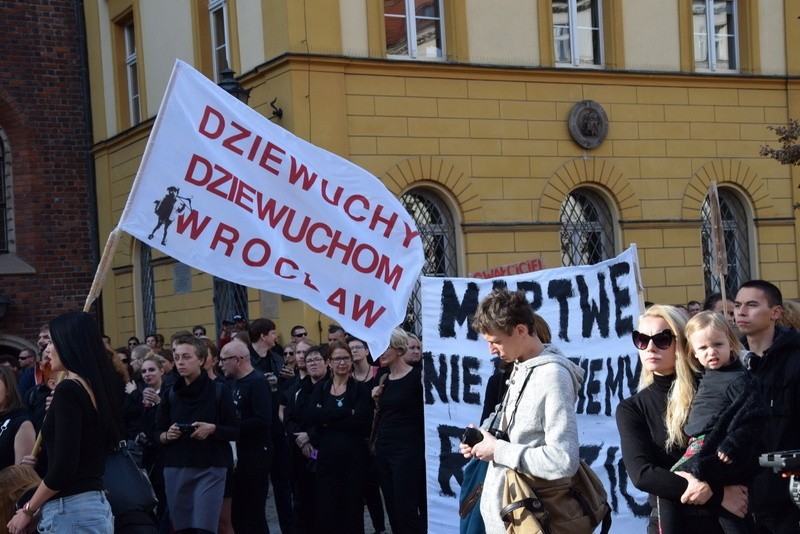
[(87, 513)]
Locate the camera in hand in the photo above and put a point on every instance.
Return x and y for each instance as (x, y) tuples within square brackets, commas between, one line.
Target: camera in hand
[(472, 436), (786, 462), (185, 428)]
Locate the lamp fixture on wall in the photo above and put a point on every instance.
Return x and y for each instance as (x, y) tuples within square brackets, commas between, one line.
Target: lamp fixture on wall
[(230, 84), (228, 81)]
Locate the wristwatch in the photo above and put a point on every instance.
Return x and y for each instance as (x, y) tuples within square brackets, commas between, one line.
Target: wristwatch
[(28, 511)]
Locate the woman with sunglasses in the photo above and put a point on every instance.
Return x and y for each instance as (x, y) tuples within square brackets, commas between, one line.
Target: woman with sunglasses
[(681, 503), (340, 412)]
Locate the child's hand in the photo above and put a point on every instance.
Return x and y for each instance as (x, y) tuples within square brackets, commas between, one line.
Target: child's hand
[(724, 458)]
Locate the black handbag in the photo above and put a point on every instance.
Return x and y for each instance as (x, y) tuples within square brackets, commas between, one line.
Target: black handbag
[(127, 486)]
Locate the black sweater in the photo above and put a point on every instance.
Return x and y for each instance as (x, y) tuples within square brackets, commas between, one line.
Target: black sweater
[(198, 402), (253, 401), (76, 449), (643, 435), (337, 424)]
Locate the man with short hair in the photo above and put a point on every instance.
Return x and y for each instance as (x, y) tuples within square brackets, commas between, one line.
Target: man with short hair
[(263, 337), (541, 436), (774, 359), (26, 358), (694, 307), (199, 330), (26, 362), (299, 333), (32, 376), (336, 333), (252, 399), (239, 324), (44, 338)]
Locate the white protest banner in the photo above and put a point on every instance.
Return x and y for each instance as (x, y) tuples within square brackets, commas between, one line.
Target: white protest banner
[(223, 189), (591, 311)]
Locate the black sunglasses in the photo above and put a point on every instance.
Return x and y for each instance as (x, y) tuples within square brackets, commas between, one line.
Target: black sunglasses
[(662, 340)]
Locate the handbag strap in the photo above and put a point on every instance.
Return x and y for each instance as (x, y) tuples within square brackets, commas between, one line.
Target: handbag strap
[(516, 404)]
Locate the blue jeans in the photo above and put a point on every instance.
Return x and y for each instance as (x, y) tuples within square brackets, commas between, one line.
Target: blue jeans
[(87, 513)]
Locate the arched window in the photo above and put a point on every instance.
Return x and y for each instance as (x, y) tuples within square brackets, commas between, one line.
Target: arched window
[(437, 231), (587, 229), (735, 218)]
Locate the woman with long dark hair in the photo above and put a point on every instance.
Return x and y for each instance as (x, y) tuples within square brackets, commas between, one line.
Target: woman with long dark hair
[(83, 424)]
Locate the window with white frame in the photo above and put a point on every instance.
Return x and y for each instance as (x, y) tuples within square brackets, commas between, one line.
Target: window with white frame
[(218, 15), (414, 28), (716, 46), (587, 228), (577, 32), (736, 231), (437, 231), (134, 105)]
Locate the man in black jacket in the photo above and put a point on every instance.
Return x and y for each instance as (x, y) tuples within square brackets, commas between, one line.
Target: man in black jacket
[(774, 358), (252, 399)]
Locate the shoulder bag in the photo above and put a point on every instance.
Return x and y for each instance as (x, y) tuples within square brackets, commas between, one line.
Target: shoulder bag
[(127, 487), (570, 505)]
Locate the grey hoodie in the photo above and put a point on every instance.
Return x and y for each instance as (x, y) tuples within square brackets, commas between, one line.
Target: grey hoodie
[(546, 409)]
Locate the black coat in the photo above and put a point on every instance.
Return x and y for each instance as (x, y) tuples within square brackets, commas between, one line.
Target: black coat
[(736, 433)]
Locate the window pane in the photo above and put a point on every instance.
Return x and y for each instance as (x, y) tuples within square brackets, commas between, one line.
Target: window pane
[(219, 42), (724, 38), (130, 40), (561, 35), (396, 36), (133, 93), (588, 33), (429, 38), (700, 34)]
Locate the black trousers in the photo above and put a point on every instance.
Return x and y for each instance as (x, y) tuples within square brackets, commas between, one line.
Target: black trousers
[(402, 475), (340, 485), (249, 501), (303, 499)]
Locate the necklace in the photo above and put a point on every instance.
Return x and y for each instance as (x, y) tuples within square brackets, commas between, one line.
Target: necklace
[(366, 375), (339, 401)]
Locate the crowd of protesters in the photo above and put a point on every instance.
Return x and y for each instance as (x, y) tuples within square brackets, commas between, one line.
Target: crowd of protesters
[(334, 428), (213, 423)]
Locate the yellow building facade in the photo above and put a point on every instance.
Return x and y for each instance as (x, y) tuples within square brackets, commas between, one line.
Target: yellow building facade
[(463, 107)]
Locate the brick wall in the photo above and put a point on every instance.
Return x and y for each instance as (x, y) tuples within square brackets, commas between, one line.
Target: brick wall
[(42, 113)]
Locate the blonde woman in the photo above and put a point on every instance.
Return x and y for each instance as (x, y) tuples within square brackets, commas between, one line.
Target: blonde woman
[(651, 425), (400, 445)]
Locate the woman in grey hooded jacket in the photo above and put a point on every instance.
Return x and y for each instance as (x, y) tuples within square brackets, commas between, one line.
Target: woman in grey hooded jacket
[(539, 419)]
